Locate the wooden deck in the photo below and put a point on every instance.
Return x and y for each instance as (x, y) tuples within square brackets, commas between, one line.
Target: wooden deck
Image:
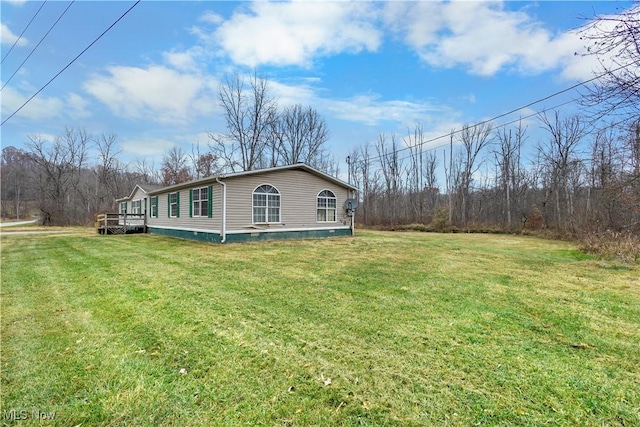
[(115, 223)]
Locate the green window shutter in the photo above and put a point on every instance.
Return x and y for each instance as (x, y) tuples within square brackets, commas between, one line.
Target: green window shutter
[(178, 204), (190, 202), (169, 205), (210, 201), (157, 206)]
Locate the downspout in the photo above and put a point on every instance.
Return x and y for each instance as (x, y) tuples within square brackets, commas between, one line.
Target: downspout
[(353, 219), (223, 228)]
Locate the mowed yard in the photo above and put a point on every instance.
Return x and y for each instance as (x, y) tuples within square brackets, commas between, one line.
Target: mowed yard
[(381, 329)]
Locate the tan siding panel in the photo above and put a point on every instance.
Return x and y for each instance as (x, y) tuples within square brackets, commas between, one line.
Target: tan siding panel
[(298, 194), (184, 221), (138, 195)]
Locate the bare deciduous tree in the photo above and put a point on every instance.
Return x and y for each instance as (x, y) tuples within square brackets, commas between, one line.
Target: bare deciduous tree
[(203, 163), (299, 135), (473, 139), (146, 171), (60, 163), (249, 114), (107, 170), (507, 155), (559, 152), (615, 41), (390, 168), (174, 166), (15, 169)]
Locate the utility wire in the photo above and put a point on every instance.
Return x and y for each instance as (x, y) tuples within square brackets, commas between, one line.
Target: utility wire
[(628, 119), (22, 33), (36, 46), (72, 61), (495, 127), (453, 132)]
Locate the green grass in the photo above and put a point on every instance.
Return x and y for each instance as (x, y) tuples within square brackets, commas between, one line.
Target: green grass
[(382, 329)]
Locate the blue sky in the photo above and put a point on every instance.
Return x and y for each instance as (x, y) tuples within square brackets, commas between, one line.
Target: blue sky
[(367, 67)]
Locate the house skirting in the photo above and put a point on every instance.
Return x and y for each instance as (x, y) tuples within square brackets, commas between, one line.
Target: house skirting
[(249, 236), (200, 236), (255, 236)]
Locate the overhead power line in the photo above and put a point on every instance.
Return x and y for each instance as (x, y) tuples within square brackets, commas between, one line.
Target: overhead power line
[(495, 127), (22, 33), (611, 125), (71, 62), (36, 46), (453, 132)]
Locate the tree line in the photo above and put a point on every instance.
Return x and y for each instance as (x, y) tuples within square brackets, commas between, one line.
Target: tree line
[(576, 180), (581, 176)]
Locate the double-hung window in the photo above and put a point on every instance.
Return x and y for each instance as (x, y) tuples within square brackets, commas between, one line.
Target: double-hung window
[(136, 207), (174, 205), (326, 206), (153, 207), (123, 208), (200, 202), (266, 204)]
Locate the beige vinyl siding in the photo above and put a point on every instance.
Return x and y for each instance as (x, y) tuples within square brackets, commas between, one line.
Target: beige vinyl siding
[(139, 194), (298, 198), (298, 195), (184, 221)]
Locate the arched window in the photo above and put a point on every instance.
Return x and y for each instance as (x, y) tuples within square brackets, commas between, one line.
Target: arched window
[(266, 204), (326, 206)]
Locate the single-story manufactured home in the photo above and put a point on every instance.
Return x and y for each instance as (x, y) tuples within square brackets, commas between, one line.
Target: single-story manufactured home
[(294, 201)]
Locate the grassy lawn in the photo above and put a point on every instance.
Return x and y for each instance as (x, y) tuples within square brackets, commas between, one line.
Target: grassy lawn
[(382, 329)]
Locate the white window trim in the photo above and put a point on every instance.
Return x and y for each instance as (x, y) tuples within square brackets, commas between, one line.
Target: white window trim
[(206, 201), (266, 207), (153, 203), (327, 208), (171, 203), (139, 207)]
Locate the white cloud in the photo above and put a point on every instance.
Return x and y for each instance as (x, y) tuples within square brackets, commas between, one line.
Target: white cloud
[(367, 109), (211, 17), (371, 111), (156, 93), (584, 66), (152, 147), (480, 36), (483, 37), (181, 60), (146, 146), (39, 108), (15, 2), (8, 38), (290, 94), (364, 109), (77, 106), (294, 33)]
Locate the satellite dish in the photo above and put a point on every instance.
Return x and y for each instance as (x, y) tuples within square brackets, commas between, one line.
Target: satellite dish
[(351, 204)]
